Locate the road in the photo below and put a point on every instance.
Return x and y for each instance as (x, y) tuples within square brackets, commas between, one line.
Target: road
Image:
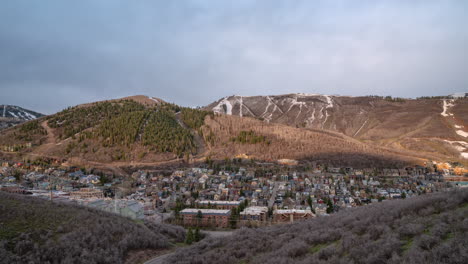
[(163, 258), (216, 234), (160, 259), (273, 195)]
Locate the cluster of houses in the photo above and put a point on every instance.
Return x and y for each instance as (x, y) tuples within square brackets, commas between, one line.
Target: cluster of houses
[(201, 197)]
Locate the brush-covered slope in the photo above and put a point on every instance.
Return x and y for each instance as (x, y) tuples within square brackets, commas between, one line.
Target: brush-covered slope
[(228, 136), (427, 125), (38, 231), (11, 115), (426, 229)]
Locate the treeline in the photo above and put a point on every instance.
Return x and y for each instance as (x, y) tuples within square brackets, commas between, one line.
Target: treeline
[(434, 97), (38, 231), (394, 99), (388, 98), (424, 229)]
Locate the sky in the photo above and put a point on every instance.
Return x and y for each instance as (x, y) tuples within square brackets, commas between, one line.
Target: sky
[(55, 54)]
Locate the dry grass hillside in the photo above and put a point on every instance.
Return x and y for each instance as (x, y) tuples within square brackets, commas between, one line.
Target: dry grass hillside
[(276, 141), (426, 125)]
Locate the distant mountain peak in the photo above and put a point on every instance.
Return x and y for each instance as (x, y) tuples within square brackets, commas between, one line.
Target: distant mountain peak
[(11, 115)]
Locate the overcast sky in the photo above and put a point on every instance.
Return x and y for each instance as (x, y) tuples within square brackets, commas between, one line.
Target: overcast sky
[(55, 54)]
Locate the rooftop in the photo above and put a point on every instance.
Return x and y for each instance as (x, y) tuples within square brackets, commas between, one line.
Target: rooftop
[(205, 211)]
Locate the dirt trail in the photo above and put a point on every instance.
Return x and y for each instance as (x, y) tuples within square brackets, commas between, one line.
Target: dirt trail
[(50, 140)]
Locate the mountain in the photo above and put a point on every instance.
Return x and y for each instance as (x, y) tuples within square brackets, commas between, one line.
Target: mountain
[(11, 115), (346, 131), (434, 126), (429, 228), (146, 131)]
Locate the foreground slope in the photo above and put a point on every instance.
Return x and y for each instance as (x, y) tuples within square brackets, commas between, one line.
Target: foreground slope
[(426, 125), (38, 231), (426, 229)]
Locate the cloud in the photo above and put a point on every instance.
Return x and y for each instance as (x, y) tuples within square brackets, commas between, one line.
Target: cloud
[(57, 53)]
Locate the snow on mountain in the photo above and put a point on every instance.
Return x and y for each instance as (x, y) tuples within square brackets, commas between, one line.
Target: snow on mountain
[(11, 115), (311, 109), (12, 111)]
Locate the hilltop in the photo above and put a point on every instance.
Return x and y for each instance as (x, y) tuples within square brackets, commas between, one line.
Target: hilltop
[(425, 229)]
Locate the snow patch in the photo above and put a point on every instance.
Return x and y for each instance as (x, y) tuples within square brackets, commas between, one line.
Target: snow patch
[(241, 102), (463, 143), (219, 108), (460, 146), (447, 105), (13, 114), (311, 119), (329, 101), (326, 117), (154, 99), (462, 133), (30, 116), (270, 115), (361, 127), (307, 94), (293, 102)]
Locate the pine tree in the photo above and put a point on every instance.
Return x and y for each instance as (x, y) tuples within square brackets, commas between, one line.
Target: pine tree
[(329, 207), (190, 237)]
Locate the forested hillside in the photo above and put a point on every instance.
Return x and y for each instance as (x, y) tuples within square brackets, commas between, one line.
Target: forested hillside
[(116, 130), (426, 229), (33, 230)]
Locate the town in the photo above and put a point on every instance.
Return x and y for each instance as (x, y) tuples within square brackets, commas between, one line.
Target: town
[(231, 194)]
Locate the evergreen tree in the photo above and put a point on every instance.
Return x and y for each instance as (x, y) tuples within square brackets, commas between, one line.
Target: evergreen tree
[(199, 217), (190, 237), (329, 206)]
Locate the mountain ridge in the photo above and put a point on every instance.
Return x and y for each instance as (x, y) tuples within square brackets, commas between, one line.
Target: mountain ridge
[(407, 124), (146, 131)]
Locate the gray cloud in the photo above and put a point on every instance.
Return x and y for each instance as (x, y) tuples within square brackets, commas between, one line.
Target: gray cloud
[(60, 53)]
